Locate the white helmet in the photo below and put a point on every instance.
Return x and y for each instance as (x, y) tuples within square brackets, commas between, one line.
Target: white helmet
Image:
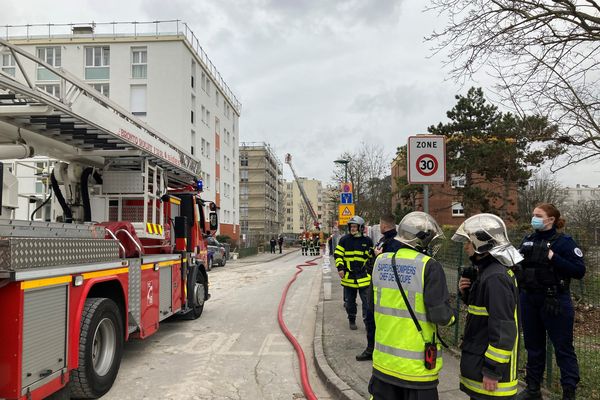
[(356, 220), (487, 233), (419, 230)]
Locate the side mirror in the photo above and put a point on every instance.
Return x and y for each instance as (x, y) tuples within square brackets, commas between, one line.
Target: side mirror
[(213, 221)]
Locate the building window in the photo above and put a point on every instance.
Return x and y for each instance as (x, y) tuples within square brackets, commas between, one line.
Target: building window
[(193, 140), (8, 64), (52, 56), (244, 160), (244, 176), (193, 82), (207, 182), (208, 86), (138, 99), (139, 62), (208, 149), (217, 97), (458, 210), (203, 147), (103, 88), (208, 118), (97, 62), (53, 89), (458, 181), (193, 111), (203, 81)]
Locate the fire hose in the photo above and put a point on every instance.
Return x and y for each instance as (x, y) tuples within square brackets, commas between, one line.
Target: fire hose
[(306, 388)]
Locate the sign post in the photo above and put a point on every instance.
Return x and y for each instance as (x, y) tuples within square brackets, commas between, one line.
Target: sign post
[(346, 206), (426, 162)]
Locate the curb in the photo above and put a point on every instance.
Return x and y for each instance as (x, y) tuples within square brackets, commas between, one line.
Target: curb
[(337, 387)]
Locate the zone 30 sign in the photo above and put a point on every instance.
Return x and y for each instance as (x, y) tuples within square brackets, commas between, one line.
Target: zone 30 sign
[(426, 159)]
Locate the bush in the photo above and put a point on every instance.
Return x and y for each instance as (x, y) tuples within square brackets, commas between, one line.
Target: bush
[(224, 239)]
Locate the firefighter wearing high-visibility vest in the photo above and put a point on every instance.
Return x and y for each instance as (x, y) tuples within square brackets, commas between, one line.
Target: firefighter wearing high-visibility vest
[(488, 367), (311, 246), (407, 355), (353, 256), (304, 245)]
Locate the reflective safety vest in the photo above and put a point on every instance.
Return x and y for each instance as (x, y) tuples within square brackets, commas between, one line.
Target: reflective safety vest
[(399, 347), (351, 256)]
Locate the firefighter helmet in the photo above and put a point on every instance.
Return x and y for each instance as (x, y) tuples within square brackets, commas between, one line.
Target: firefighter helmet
[(420, 231), (356, 220)]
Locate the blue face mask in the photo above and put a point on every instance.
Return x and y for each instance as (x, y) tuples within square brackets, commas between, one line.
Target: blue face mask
[(537, 223)]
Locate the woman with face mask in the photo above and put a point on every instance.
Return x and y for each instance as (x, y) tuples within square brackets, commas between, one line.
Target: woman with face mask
[(551, 260)]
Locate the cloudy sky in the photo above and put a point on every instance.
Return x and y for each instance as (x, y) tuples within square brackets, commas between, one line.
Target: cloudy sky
[(315, 77)]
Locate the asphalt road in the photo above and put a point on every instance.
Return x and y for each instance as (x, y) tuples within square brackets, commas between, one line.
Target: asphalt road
[(235, 350)]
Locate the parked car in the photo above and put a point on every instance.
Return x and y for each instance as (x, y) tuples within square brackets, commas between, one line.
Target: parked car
[(216, 253)]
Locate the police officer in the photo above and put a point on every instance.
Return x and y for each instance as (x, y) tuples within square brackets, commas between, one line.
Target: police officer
[(407, 358), (304, 245), (488, 364), (552, 259), (386, 244), (353, 254)]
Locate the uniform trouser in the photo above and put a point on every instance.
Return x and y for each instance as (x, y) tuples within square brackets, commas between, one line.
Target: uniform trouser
[(536, 322), (370, 319), (381, 390), (304, 251), (350, 301)]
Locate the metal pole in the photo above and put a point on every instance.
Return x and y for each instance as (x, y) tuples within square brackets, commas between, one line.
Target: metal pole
[(426, 198)]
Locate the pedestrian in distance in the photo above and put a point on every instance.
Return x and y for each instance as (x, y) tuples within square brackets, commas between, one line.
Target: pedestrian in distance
[(280, 243), (552, 259), (353, 254), (273, 242), (488, 364), (386, 244), (410, 298)]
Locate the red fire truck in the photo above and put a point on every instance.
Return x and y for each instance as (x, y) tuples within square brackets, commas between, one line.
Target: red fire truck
[(116, 246)]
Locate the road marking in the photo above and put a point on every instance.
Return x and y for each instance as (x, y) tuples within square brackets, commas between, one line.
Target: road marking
[(274, 339)]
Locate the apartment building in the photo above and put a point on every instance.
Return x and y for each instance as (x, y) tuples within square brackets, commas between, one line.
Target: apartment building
[(581, 193), (297, 216), (157, 71), (261, 193)]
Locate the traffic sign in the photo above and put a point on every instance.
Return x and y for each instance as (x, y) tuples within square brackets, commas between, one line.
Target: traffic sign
[(426, 159), (346, 211), (346, 198), (347, 187)]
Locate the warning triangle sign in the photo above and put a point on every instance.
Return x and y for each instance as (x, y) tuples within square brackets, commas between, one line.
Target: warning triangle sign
[(346, 212)]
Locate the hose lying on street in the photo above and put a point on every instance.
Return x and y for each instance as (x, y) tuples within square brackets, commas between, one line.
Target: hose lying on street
[(306, 388)]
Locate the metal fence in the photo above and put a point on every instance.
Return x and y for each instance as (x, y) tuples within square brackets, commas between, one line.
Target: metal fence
[(586, 299)]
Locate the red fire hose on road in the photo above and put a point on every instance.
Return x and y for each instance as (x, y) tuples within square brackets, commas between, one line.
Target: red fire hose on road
[(306, 388)]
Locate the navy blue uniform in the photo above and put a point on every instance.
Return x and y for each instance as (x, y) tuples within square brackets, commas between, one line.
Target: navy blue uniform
[(546, 303)]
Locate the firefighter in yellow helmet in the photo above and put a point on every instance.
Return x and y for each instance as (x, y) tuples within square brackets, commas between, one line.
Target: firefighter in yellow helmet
[(410, 299), (488, 365)]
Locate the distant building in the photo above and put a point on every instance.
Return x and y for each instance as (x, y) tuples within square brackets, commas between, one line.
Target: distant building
[(261, 193), (581, 193), (297, 215), (157, 71)]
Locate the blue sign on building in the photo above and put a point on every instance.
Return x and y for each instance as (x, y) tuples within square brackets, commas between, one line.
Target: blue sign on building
[(346, 198)]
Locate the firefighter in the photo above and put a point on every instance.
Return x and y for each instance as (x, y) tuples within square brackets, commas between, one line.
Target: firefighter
[(407, 357), (317, 245), (552, 259), (304, 245), (352, 255), (488, 365), (311, 246)]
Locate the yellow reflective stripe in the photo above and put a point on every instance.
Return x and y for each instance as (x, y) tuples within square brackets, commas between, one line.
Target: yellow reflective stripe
[(339, 253), (413, 378), (495, 357), (38, 283), (174, 200), (504, 388), (476, 310), (451, 321), (168, 263), (147, 266), (100, 274), (499, 351)]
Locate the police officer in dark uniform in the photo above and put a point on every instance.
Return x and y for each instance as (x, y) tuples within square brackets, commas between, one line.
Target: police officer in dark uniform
[(552, 259), (388, 243)]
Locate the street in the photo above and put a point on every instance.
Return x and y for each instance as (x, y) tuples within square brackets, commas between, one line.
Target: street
[(235, 350)]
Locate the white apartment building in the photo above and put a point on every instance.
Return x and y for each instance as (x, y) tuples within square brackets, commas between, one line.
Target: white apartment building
[(581, 193), (159, 72), (297, 217)]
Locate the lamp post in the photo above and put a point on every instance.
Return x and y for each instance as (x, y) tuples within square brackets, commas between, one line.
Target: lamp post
[(345, 164)]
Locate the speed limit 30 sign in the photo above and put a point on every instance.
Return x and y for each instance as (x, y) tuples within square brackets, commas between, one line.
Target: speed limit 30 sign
[(426, 159)]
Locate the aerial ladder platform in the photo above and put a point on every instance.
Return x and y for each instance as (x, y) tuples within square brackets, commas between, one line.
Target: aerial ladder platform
[(311, 210)]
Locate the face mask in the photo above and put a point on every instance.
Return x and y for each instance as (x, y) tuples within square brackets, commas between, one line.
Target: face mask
[(537, 223)]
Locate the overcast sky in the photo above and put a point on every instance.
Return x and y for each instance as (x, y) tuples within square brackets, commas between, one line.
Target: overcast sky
[(315, 77)]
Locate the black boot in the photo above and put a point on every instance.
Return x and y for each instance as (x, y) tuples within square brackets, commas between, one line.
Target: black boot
[(568, 393), (531, 392), (366, 355), (352, 324)]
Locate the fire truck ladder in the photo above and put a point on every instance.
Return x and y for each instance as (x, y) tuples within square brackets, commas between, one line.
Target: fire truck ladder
[(78, 124), (311, 210)]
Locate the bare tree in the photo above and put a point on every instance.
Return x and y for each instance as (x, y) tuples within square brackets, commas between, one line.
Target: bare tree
[(544, 54), (542, 188)]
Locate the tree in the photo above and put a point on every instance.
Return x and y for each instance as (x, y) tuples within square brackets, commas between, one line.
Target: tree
[(544, 55), (542, 188), (485, 145), (367, 170)]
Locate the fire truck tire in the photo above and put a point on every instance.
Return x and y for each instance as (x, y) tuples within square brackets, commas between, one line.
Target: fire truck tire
[(100, 349), (200, 293)]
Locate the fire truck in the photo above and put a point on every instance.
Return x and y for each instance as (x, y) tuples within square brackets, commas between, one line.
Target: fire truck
[(116, 247)]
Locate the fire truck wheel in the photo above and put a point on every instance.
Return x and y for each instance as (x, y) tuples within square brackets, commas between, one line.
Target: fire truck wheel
[(100, 349), (200, 294)]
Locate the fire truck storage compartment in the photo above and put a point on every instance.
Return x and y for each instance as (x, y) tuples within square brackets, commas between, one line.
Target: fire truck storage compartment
[(165, 292), (121, 182), (44, 334)]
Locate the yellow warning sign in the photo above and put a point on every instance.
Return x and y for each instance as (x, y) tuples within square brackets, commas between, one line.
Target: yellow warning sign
[(346, 211)]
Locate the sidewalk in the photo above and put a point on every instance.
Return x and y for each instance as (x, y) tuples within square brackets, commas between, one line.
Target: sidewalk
[(262, 257), (336, 346)]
